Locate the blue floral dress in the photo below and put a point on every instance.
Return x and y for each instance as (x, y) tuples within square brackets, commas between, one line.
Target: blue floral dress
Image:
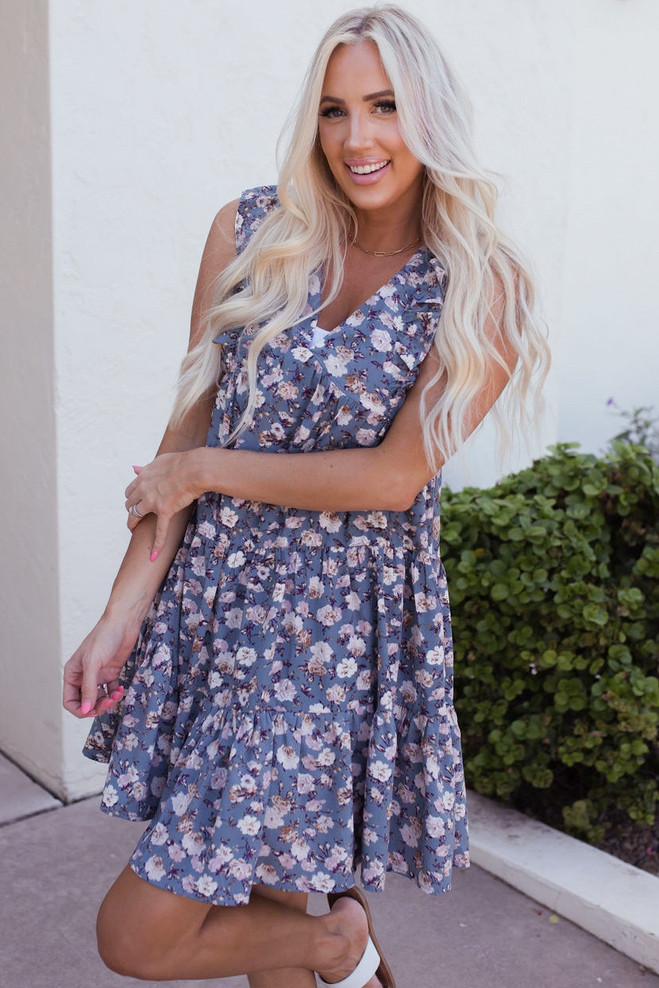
[(288, 708)]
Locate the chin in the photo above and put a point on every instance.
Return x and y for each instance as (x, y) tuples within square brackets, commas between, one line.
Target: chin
[(372, 199)]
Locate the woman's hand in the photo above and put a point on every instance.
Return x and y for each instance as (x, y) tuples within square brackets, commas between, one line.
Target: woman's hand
[(163, 488), (91, 676)]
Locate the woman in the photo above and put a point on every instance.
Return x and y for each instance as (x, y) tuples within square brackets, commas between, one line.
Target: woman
[(282, 711)]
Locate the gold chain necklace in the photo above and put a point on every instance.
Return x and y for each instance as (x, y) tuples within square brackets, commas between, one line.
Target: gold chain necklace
[(385, 253)]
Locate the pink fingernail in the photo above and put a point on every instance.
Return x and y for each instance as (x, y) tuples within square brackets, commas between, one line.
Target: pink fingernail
[(153, 556), (136, 468), (117, 693), (85, 707)]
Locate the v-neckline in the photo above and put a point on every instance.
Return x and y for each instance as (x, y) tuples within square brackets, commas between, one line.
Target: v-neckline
[(374, 295)]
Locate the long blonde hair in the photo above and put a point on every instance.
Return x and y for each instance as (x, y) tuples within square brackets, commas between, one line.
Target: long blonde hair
[(266, 285)]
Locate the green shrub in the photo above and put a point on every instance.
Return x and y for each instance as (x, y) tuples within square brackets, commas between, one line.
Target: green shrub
[(553, 576)]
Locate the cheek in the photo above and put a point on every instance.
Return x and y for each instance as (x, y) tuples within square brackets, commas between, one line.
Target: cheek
[(330, 151), (325, 140), (413, 166), (397, 145), (391, 134)]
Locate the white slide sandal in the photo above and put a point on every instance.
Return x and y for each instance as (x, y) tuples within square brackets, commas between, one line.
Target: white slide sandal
[(367, 967), (371, 961)]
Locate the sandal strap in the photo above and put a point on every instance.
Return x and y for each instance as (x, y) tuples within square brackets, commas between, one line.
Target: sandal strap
[(368, 965)]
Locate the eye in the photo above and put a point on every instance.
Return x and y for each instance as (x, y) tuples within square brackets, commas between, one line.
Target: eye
[(385, 106), (331, 112)]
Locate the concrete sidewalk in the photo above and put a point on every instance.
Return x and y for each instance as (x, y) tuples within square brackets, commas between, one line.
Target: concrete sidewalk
[(57, 864)]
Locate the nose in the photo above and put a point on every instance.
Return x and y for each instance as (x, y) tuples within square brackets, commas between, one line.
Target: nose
[(360, 136)]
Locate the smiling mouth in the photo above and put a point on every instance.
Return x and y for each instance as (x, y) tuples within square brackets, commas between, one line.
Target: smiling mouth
[(370, 168)]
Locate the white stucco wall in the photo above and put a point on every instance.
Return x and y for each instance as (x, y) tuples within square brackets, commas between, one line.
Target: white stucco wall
[(160, 112), (610, 337), (30, 716)]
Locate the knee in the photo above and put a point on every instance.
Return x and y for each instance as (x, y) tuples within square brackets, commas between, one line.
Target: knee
[(122, 950), (113, 946)]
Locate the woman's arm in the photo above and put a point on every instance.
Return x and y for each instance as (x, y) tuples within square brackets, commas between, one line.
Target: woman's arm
[(103, 653), (385, 477)]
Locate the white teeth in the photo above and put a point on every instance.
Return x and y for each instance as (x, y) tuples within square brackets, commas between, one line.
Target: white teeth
[(367, 169)]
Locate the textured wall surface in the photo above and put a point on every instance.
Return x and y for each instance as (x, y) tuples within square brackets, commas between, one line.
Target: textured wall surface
[(30, 721), (610, 345), (161, 111)]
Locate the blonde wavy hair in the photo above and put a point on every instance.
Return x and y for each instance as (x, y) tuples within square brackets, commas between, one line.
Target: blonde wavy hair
[(266, 286)]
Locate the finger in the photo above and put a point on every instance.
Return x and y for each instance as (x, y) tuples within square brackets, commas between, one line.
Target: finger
[(108, 695), (134, 519), (107, 703), (89, 692), (73, 707), (133, 484), (71, 698), (162, 527), (115, 691), (71, 690)]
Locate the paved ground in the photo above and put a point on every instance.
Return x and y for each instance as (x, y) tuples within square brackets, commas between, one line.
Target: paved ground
[(56, 865)]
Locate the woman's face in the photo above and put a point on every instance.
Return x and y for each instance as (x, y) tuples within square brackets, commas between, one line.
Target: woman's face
[(359, 133)]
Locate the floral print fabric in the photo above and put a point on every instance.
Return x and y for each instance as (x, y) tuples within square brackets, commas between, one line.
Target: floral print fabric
[(288, 708)]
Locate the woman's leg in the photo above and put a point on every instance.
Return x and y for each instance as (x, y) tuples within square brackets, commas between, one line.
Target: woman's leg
[(285, 977), (148, 933)]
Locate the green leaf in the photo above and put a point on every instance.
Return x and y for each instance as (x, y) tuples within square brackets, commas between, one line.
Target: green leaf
[(595, 615)]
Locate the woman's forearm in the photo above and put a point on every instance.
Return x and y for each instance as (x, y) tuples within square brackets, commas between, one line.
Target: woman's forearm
[(138, 578), (360, 479)]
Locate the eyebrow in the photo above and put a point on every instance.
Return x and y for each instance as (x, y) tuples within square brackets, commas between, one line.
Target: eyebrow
[(367, 99)]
